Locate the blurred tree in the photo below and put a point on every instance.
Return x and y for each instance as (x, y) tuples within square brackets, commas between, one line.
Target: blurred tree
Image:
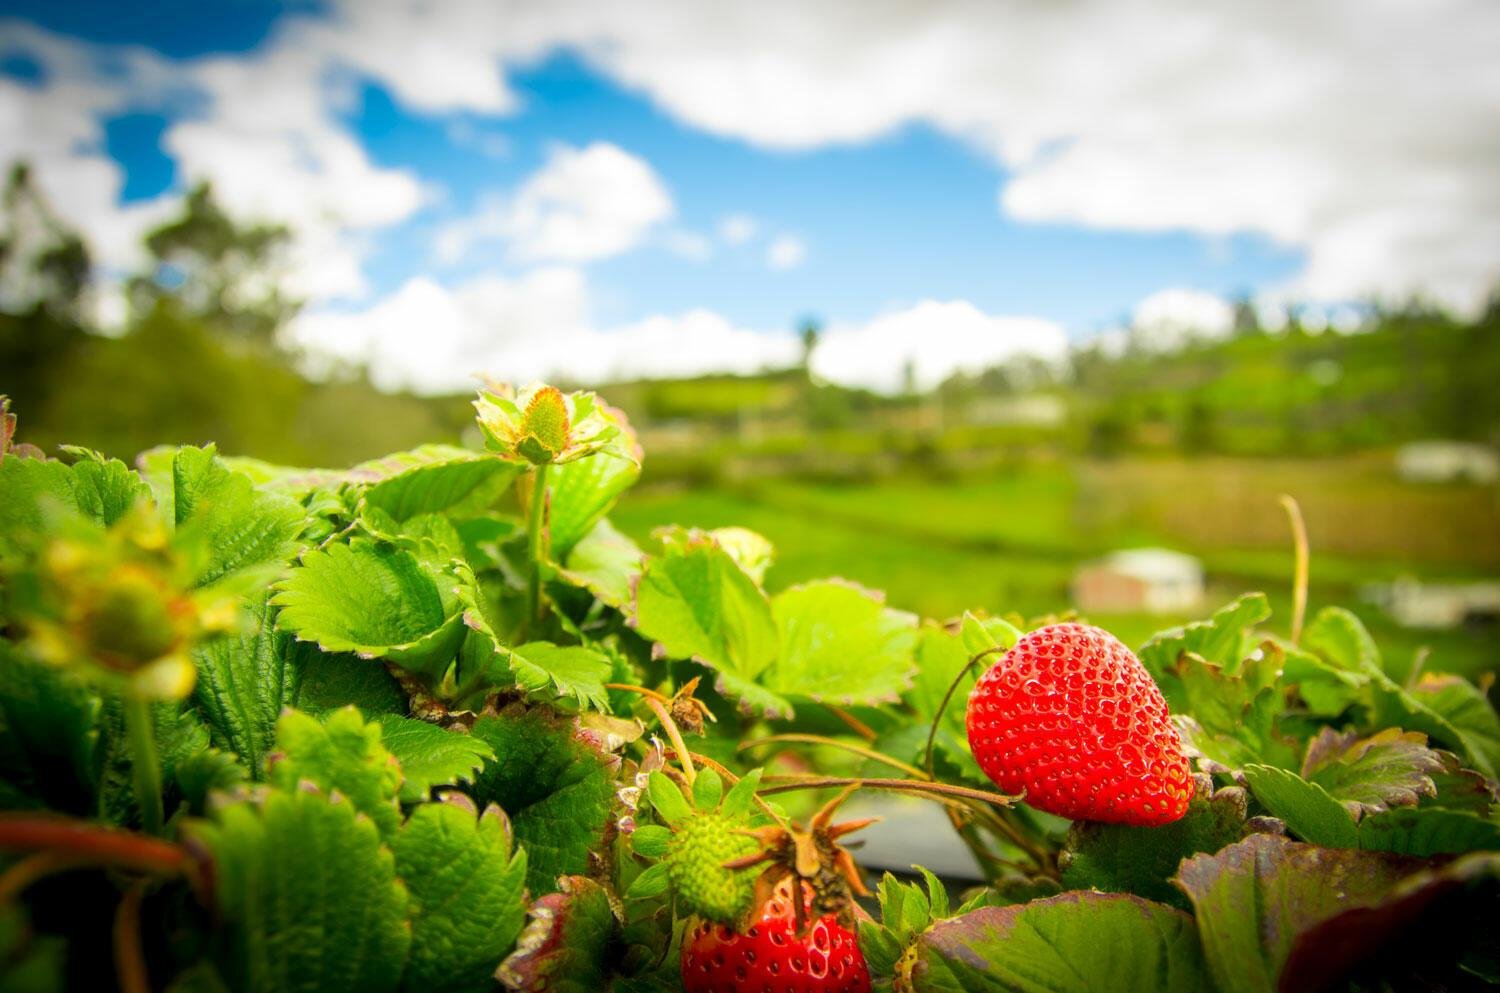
[(43, 263), (218, 269)]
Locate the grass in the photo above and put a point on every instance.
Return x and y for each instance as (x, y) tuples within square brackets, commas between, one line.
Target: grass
[(1013, 544)]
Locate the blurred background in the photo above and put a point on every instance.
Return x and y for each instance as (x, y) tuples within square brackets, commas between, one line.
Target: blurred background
[(1015, 306)]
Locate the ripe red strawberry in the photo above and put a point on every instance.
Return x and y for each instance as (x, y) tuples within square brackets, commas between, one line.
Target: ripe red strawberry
[(1070, 716), (770, 954)]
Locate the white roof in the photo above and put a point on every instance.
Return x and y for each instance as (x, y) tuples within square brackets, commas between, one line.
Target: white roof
[(1155, 565)]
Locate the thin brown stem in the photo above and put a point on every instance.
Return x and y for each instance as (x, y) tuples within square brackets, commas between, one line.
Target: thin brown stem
[(856, 725), (1299, 573), (684, 757), (91, 844), (130, 956), (15, 880), (787, 784), (942, 709), (641, 690), (817, 739)]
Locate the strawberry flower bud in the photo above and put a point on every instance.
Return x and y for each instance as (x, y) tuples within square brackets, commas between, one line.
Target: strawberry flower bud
[(541, 425)]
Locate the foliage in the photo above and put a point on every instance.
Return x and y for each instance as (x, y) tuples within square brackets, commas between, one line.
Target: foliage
[(427, 741)]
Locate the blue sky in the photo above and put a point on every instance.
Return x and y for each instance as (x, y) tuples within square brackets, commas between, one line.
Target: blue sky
[(921, 173)]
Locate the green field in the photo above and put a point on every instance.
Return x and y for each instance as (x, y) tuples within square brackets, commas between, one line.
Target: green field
[(1012, 543)]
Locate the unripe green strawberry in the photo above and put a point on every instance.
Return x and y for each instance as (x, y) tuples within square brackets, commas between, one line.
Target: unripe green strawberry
[(693, 843), (696, 855)]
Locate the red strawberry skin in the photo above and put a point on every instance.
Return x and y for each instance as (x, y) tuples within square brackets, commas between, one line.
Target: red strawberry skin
[(1070, 716), (771, 955)]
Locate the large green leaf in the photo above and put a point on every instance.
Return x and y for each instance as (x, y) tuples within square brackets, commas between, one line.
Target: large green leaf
[(1119, 858), (1254, 898), (467, 895), (375, 601), (582, 492), (309, 897), (1467, 710), (566, 947), (1429, 831), (341, 753), (1076, 942), (1418, 936), (244, 681), (1309, 812), (538, 666), (431, 756), (555, 784), (1341, 639), (606, 563), (334, 680), (234, 525), (434, 479), (1225, 639), (841, 644), (100, 490), (1231, 718), (696, 603), (1368, 775), (48, 731)]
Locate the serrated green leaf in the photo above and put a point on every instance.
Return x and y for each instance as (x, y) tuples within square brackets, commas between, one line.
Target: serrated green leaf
[(232, 525), (1396, 706), (1253, 900), (1309, 812), (1341, 639), (467, 895), (244, 681), (556, 786), (1085, 942), (1467, 709), (697, 604), (606, 563), (332, 680), (206, 772), (1428, 832), (1459, 788), (180, 738), (563, 670), (582, 492), (435, 479), (431, 756), (99, 491), (824, 627), (1327, 689), (341, 753), (565, 947), (375, 601), (1225, 639), (1367, 775), (48, 730), (309, 896), (1231, 719), (1118, 858)]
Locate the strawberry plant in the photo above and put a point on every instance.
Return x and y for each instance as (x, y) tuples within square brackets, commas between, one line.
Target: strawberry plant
[(432, 723)]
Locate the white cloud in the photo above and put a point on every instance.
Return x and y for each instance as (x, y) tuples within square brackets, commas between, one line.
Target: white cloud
[(786, 252), (736, 229), (583, 204), (435, 339), (689, 245), (1360, 131), (937, 338), (1170, 318)]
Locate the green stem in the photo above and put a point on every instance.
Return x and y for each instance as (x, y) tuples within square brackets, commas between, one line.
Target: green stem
[(534, 545), (145, 766)]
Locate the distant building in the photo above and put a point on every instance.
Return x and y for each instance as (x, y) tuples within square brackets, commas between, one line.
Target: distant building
[(1437, 605), (1447, 462), (1140, 580)]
